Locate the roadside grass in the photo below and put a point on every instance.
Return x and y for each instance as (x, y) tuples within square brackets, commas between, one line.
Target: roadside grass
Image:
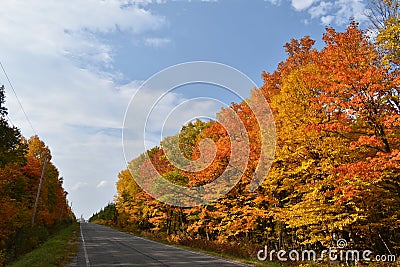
[(58, 250)]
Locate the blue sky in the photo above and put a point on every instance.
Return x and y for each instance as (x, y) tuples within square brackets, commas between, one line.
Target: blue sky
[(76, 64), (244, 35)]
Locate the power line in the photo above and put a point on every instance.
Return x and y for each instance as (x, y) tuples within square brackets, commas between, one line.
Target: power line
[(19, 102)]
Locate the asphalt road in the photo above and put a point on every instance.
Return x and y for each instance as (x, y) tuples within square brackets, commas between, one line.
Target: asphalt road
[(103, 246)]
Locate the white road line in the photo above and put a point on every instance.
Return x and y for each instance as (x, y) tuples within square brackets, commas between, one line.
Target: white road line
[(84, 248)]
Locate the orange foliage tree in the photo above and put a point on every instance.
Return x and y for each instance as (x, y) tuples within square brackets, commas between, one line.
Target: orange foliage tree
[(21, 163), (336, 168)]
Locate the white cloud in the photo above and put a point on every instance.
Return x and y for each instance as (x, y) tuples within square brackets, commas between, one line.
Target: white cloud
[(348, 9), (54, 29), (302, 4), (327, 19), (56, 59), (102, 183), (274, 2), (157, 42), (320, 10), (57, 65), (337, 12), (78, 185)]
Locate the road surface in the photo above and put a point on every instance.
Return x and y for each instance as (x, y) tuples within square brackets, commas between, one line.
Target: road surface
[(103, 246)]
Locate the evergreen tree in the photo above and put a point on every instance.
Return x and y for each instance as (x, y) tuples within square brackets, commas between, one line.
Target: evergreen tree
[(12, 150)]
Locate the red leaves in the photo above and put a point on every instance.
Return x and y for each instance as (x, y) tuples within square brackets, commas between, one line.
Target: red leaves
[(18, 188), (338, 122), (369, 141)]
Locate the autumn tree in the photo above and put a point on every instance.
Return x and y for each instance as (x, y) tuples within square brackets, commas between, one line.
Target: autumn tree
[(21, 163), (336, 168), (359, 95), (335, 144)]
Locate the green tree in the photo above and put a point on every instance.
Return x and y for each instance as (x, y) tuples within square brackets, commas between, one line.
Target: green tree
[(12, 150)]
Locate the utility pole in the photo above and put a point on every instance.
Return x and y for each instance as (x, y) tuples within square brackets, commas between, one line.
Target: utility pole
[(63, 207), (38, 192)]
